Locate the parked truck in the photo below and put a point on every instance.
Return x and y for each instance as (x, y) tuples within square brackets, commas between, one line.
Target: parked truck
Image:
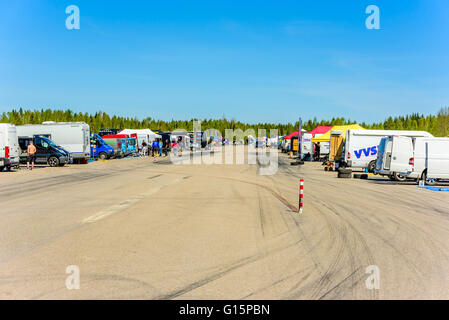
[(9, 147), (118, 143), (99, 148), (130, 145), (361, 146), (71, 136), (47, 152), (104, 132)]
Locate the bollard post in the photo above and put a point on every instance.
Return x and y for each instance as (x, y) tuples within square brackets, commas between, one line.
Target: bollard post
[(301, 195)]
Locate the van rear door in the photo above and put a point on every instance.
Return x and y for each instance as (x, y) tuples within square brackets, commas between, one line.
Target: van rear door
[(13, 143), (437, 154), (381, 153), (401, 153)]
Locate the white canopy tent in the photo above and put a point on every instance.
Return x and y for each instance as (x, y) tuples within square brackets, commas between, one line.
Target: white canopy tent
[(142, 134)]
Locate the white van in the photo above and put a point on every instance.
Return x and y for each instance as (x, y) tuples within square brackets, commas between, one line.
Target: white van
[(9, 146), (71, 136), (361, 146), (430, 160), (393, 157)]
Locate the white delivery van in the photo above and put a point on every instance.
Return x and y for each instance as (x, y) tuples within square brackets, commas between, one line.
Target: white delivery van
[(393, 157), (71, 136), (9, 146), (361, 146), (430, 160)]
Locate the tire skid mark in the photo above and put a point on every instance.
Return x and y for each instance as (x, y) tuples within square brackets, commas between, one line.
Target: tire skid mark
[(245, 261)]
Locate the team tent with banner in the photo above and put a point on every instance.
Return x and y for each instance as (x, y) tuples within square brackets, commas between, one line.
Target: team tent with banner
[(327, 136)]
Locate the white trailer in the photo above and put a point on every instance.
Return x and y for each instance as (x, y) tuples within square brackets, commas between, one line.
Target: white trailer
[(430, 160), (307, 146), (9, 146), (361, 146), (71, 136)]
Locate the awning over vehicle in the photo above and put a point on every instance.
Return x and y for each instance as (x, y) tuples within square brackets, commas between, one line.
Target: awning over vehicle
[(327, 136)]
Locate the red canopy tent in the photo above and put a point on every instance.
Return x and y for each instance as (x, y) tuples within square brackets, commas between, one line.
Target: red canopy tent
[(320, 130), (291, 135)]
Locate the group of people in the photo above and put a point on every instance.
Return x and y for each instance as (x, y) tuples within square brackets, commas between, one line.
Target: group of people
[(158, 147)]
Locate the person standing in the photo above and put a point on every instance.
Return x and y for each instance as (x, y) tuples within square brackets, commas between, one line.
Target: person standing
[(166, 147), (161, 147), (144, 148), (31, 155), (175, 147), (155, 148)]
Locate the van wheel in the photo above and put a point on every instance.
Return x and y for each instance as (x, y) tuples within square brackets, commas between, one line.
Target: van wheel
[(53, 161), (103, 156), (397, 177), (345, 170), (428, 182), (372, 166)]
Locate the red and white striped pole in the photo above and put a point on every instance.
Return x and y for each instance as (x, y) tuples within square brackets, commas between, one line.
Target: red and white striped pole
[(301, 195)]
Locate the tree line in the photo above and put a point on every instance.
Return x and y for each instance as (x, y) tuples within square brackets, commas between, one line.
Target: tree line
[(438, 124)]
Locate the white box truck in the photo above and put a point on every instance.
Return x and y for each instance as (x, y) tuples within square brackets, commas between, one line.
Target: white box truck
[(430, 160), (71, 136), (361, 146), (9, 146)]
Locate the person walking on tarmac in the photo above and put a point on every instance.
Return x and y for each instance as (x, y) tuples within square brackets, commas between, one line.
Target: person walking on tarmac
[(31, 155)]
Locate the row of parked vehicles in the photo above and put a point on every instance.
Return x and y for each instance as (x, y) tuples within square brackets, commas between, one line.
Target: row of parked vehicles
[(59, 143), (400, 155)]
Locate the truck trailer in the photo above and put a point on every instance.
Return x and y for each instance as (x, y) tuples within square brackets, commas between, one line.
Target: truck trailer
[(9, 146), (71, 136)]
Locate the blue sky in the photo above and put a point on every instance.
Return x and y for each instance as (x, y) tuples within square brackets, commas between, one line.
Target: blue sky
[(255, 61)]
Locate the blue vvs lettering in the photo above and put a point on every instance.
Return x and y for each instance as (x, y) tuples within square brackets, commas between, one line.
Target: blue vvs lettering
[(366, 151)]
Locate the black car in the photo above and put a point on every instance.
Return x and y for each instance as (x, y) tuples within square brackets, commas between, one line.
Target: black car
[(47, 152)]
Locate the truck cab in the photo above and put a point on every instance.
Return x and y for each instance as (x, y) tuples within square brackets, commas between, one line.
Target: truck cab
[(47, 152), (132, 145), (99, 148)]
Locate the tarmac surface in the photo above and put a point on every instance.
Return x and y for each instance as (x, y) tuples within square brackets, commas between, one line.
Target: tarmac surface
[(139, 229)]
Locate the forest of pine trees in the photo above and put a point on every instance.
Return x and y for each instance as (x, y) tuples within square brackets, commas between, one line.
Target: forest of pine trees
[(438, 124)]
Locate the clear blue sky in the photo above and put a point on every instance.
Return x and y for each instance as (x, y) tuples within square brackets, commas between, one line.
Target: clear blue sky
[(269, 61)]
